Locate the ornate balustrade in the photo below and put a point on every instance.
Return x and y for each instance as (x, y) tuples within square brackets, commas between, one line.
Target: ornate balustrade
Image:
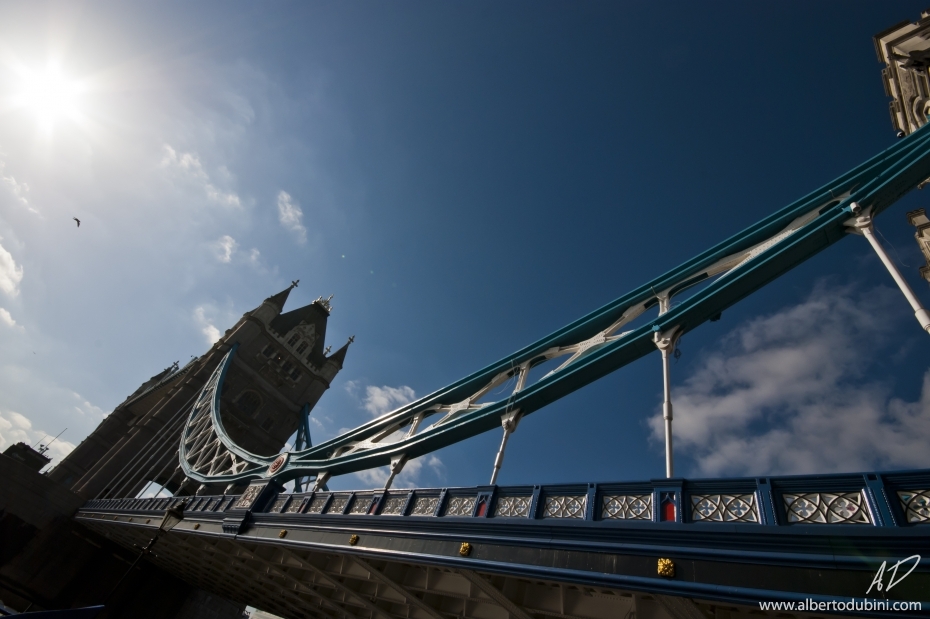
[(876, 499)]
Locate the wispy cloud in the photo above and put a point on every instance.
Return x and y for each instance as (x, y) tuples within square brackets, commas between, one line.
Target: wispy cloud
[(791, 393), (86, 409), (191, 166), (290, 216), (409, 477), (224, 248), (380, 400), (209, 330), (18, 189), (10, 274), (7, 319)]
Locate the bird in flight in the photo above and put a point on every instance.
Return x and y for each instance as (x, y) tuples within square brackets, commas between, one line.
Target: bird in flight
[(78, 221)]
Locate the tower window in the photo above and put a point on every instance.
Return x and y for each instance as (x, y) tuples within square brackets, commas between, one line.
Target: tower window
[(302, 347), (293, 340), (287, 366), (268, 351), (249, 402), (295, 375)]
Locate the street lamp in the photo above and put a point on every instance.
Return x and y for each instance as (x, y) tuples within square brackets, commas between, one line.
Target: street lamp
[(173, 516)]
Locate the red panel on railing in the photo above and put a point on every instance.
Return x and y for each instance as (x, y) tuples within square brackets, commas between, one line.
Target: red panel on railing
[(668, 511)]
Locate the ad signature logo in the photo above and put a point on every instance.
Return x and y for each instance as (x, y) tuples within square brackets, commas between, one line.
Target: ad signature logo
[(878, 581)]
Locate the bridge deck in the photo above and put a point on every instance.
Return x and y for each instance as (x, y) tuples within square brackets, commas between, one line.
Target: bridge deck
[(585, 550)]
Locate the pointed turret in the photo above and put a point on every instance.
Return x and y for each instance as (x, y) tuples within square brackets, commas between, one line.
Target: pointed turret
[(280, 299), (339, 356), (334, 361), (273, 305)]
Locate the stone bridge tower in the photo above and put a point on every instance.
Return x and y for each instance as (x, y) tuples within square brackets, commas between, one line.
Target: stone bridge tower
[(281, 364)]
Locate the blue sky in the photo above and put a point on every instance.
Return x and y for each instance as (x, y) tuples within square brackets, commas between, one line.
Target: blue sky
[(465, 178)]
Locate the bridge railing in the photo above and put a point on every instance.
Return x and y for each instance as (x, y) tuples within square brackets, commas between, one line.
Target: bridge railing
[(876, 499)]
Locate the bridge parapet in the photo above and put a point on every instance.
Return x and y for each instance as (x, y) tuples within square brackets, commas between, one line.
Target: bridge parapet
[(441, 552), (899, 499)]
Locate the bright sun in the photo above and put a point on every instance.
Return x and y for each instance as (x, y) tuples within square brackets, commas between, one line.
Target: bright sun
[(50, 95)]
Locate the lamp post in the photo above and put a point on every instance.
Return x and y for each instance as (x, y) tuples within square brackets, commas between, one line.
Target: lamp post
[(173, 516)]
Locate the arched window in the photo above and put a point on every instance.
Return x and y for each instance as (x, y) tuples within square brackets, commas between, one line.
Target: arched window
[(302, 347), (249, 402)]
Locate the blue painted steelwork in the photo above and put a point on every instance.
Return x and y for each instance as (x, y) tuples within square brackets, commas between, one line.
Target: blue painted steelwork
[(801, 560), (728, 272)]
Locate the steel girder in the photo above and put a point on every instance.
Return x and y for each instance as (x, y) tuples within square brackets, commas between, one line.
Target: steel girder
[(594, 344)]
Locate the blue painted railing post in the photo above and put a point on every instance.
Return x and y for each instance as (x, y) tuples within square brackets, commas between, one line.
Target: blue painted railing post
[(534, 503), (878, 499), (766, 501), (591, 508)]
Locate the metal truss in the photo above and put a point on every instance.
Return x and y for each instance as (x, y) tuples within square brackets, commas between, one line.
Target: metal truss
[(587, 349), (206, 452)]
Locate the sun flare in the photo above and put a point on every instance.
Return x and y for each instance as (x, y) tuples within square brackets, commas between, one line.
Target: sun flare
[(49, 95)]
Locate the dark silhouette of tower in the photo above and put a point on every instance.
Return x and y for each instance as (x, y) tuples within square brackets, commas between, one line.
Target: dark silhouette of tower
[(279, 366)]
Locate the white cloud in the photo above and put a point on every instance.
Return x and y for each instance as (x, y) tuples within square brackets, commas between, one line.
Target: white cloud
[(380, 400), (224, 248), (409, 476), (290, 216), (206, 325), (86, 409), (190, 165), (10, 273), (6, 319), (16, 428), (790, 393), (19, 190)]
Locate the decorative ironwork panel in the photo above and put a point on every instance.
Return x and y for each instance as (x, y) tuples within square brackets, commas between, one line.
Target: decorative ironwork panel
[(338, 504), (318, 503), (565, 507), (361, 504), (394, 506), (627, 507), (724, 508), (295, 505), (827, 508), (916, 504), (513, 507), (460, 506), (248, 497), (279, 504), (425, 506)]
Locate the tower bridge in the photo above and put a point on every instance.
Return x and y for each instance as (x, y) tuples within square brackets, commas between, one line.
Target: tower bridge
[(211, 434)]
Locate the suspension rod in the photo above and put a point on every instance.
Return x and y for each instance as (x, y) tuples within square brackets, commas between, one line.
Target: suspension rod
[(865, 225)]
